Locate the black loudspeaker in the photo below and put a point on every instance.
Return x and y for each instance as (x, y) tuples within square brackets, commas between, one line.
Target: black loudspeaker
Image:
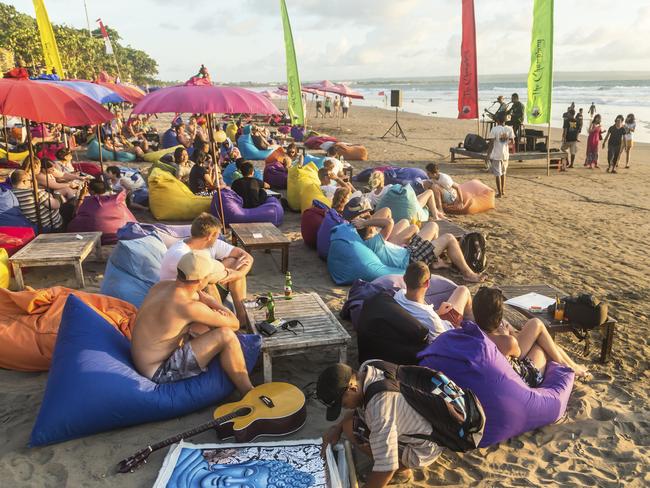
[(396, 98), (475, 143)]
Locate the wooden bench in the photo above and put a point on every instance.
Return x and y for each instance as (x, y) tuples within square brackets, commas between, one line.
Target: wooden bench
[(520, 316), (56, 250), (321, 329), (261, 235)]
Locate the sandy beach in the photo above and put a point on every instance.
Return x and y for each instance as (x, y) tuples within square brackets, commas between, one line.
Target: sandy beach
[(583, 231)]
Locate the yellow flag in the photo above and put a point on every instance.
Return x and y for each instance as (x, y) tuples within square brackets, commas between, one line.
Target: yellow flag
[(50, 49)]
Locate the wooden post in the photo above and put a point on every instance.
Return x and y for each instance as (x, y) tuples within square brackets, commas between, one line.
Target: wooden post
[(34, 182), (548, 150), (4, 128), (99, 142), (215, 161)]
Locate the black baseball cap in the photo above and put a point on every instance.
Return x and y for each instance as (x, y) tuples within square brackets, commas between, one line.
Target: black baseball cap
[(332, 383)]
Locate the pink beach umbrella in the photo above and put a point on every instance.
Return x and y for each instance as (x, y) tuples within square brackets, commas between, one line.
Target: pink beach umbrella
[(336, 88), (349, 92), (205, 99), (273, 95)]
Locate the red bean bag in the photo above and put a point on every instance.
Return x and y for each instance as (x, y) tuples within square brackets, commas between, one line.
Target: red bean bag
[(314, 142), (13, 239), (105, 213), (310, 222), (351, 152), (89, 168), (49, 151), (478, 197)]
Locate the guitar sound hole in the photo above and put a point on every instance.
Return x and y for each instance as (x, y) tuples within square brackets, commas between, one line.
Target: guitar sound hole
[(243, 411)]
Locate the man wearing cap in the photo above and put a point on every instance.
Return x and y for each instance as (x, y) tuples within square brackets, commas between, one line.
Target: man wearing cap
[(357, 208), (204, 238), (383, 429), (161, 345)]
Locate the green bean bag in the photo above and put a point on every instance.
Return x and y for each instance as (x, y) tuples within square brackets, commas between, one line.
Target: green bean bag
[(403, 203), (154, 156)]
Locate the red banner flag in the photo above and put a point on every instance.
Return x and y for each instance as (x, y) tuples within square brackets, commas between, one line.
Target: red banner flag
[(468, 82), (107, 40)]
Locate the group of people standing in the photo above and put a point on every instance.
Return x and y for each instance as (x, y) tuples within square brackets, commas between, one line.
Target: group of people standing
[(339, 107)]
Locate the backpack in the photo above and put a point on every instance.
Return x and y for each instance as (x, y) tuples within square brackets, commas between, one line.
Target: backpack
[(455, 414), (473, 247)]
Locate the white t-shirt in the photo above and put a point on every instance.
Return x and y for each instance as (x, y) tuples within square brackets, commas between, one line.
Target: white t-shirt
[(500, 149), (168, 271), (629, 135), (338, 165), (374, 198), (425, 314), (329, 191), (345, 102)]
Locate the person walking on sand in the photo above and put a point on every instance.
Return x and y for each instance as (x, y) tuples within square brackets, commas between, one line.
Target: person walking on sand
[(529, 350), (630, 127), (498, 152), (319, 107), (614, 137), (337, 106), (592, 111), (345, 104), (164, 345), (593, 141), (570, 138)]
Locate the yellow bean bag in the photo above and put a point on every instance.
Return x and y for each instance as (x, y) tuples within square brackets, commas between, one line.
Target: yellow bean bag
[(164, 166), (303, 186), (170, 199), (231, 131), (14, 156), (154, 156), (5, 275)]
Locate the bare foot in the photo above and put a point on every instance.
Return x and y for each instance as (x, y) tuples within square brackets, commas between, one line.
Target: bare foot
[(401, 477), (582, 372), (441, 216), (440, 264), (475, 277)]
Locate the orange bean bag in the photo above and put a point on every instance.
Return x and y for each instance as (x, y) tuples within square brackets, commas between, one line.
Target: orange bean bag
[(29, 323), (478, 197), (351, 152)]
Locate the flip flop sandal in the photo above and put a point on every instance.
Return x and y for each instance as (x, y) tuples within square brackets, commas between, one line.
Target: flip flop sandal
[(401, 478)]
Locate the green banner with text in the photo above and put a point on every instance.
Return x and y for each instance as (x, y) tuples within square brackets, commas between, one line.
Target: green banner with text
[(540, 76), (294, 97)]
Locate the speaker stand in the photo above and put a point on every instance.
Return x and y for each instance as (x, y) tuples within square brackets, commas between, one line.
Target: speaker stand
[(395, 130)]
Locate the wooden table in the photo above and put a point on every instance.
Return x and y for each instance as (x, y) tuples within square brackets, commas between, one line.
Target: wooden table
[(554, 327), (261, 235), (322, 329), (57, 250)]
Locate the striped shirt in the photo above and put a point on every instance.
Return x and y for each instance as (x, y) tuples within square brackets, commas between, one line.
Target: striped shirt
[(28, 208), (391, 421)]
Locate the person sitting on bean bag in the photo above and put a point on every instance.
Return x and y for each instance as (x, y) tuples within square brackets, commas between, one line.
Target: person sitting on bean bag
[(259, 140), (46, 176), (447, 192), (426, 199), (330, 182), (119, 182), (401, 243), (183, 164), (528, 350), (200, 180), (249, 188), (65, 167), (48, 205)]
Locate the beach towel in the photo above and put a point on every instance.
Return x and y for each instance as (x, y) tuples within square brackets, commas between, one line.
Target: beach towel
[(29, 323)]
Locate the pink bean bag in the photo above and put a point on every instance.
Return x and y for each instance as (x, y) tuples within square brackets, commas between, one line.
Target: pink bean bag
[(89, 168), (314, 142), (478, 198), (105, 213), (13, 239), (310, 222)]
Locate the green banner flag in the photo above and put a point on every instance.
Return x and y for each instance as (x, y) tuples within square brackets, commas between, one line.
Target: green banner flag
[(294, 97), (540, 76)]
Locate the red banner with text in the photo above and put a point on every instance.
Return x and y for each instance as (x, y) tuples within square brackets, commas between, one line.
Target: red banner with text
[(468, 82)]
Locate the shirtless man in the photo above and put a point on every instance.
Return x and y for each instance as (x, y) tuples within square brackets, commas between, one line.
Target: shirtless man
[(162, 347)]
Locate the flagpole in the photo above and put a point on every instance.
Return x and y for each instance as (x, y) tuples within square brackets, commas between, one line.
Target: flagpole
[(548, 149), (90, 32)]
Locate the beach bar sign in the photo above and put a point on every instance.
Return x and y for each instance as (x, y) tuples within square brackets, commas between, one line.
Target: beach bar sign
[(540, 76)]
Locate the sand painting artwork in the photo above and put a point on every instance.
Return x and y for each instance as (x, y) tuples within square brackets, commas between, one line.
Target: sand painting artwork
[(296, 464)]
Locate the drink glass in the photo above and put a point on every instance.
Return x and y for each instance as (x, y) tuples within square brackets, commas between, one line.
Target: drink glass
[(559, 312)]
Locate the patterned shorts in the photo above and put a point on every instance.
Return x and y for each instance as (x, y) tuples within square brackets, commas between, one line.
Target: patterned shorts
[(421, 250), (182, 364)]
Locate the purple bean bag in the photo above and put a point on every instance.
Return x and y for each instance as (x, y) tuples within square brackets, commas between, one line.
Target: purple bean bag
[(310, 221), (169, 234), (105, 213), (331, 220), (440, 288), (298, 133), (395, 175), (473, 361), (275, 174), (235, 213)]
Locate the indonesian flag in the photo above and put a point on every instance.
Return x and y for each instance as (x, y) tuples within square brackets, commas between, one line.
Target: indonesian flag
[(107, 40)]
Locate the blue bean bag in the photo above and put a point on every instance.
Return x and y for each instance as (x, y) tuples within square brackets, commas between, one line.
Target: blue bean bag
[(92, 152), (169, 234), (235, 213), (403, 203), (470, 359), (133, 268), (298, 133), (350, 259), (319, 162), (10, 213), (404, 176), (248, 150), (331, 220), (169, 139), (231, 173), (93, 386)]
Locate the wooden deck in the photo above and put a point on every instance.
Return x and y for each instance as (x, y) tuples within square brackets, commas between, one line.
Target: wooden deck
[(462, 153), (321, 329)]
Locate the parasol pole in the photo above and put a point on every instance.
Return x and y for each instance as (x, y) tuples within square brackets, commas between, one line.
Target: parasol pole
[(4, 128), (34, 182), (99, 141), (216, 168)]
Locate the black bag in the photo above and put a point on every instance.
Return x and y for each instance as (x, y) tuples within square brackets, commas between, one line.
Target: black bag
[(455, 414), (540, 147), (473, 246), (475, 143), (584, 310)]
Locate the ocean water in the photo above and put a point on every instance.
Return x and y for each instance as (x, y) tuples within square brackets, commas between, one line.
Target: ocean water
[(439, 98)]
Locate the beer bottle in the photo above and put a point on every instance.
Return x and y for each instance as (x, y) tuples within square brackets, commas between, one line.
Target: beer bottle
[(270, 309), (288, 290)]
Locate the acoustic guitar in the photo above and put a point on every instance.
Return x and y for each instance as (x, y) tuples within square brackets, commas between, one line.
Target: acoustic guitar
[(268, 409)]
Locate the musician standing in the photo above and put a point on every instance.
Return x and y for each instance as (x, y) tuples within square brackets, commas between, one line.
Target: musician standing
[(502, 105), (516, 113)]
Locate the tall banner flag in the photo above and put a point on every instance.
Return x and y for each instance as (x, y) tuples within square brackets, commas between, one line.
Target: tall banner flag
[(468, 81), (107, 40), (48, 41), (294, 96), (540, 76)]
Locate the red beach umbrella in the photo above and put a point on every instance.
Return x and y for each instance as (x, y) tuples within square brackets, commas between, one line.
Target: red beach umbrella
[(49, 102), (127, 92)]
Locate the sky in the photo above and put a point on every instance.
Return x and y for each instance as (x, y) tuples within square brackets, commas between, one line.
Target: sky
[(242, 40)]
